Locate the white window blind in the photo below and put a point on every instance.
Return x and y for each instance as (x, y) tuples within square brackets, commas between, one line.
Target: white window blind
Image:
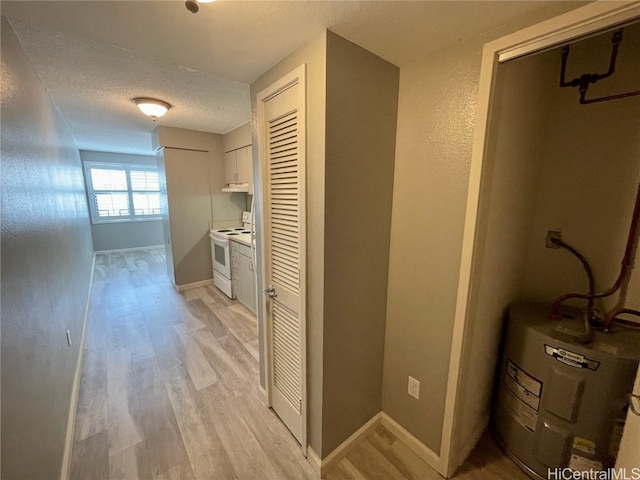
[(121, 192)]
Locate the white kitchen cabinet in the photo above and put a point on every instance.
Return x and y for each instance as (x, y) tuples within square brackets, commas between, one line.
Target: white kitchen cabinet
[(238, 167), (247, 282), (243, 275)]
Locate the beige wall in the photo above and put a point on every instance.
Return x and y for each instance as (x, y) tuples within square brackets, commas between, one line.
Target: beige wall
[(361, 113), (313, 54), (237, 138), (189, 201), (436, 110), (46, 263), (436, 120)]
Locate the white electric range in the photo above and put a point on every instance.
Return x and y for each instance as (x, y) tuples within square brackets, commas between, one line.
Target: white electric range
[(221, 253)]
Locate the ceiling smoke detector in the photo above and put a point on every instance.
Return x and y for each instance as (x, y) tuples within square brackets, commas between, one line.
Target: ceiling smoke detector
[(152, 107)]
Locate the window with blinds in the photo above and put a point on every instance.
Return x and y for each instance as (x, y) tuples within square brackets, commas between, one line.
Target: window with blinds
[(121, 192)]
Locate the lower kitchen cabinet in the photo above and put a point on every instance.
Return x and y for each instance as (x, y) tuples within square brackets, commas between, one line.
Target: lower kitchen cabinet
[(243, 275)]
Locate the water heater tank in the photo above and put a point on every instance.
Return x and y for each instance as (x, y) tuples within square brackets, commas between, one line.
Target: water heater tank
[(561, 404)]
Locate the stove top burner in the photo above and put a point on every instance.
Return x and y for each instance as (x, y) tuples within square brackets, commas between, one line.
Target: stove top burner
[(232, 231)]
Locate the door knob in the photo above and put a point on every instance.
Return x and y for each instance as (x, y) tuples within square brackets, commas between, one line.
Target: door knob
[(270, 292)]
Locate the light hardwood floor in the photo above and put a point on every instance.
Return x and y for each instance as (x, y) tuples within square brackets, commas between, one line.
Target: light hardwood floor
[(169, 390)]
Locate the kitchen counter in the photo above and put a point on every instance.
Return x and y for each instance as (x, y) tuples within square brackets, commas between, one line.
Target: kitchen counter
[(243, 238)]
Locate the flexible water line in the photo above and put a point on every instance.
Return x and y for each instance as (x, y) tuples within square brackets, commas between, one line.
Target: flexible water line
[(623, 277)]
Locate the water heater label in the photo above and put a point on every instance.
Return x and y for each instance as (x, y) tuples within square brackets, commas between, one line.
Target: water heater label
[(585, 465), (584, 445), (530, 384), (521, 413), (571, 358)]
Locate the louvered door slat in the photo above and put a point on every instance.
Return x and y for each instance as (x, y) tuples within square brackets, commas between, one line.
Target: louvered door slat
[(284, 220)]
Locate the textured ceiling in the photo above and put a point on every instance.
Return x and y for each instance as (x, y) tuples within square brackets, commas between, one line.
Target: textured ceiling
[(93, 57)]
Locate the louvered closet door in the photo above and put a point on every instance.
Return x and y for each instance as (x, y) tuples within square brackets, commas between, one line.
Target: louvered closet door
[(284, 214)]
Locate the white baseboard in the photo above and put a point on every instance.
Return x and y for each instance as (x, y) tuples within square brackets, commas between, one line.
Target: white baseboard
[(75, 389), (341, 450), (189, 286), (314, 461), (134, 249), (419, 448)]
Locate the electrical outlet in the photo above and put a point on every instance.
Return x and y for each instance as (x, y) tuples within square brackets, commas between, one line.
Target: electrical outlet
[(414, 387), (553, 235), (69, 337)]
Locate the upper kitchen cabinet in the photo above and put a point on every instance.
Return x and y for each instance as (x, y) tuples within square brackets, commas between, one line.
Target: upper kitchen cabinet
[(238, 171), (238, 163)]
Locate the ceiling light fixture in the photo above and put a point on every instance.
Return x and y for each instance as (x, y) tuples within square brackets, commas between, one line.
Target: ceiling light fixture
[(152, 107), (193, 5)]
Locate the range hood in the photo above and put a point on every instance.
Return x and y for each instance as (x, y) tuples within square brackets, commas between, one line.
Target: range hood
[(236, 187)]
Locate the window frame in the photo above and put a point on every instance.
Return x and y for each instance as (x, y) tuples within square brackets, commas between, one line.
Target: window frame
[(127, 168)]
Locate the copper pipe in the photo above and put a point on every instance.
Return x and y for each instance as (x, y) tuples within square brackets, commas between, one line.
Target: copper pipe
[(627, 265), (611, 317), (586, 101)]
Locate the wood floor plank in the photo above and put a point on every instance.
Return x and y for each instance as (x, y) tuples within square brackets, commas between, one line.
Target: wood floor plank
[(190, 294), (90, 458), (372, 463), (130, 464), (246, 316), (487, 462), (138, 337), (253, 348), (241, 356), (121, 396), (245, 453), (188, 317), (198, 367), (401, 456), (91, 416), (164, 444), (243, 331), (344, 470), (412, 466), (281, 448), (181, 471), (216, 296), (168, 349), (235, 379), (206, 316), (207, 455)]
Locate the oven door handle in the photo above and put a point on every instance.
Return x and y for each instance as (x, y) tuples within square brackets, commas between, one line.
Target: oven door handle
[(223, 242)]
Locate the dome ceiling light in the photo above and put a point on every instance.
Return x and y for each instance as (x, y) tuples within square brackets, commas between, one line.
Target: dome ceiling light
[(152, 107), (194, 5)]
